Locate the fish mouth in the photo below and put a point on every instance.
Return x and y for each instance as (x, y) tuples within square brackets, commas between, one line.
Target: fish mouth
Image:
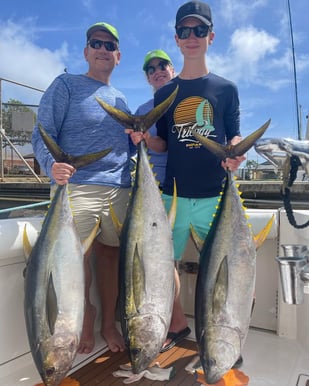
[(221, 355), (215, 370)]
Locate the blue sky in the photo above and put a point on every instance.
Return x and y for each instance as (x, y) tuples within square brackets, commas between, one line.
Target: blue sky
[(252, 47)]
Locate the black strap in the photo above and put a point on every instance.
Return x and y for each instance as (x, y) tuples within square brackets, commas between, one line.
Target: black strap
[(295, 163)]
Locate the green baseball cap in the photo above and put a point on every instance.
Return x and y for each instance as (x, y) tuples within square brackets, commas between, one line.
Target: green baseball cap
[(102, 27), (160, 54)]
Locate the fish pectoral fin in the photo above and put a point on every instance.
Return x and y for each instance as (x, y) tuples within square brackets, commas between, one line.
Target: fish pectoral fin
[(221, 288), (86, 244), (198, 241), (51, 305), (173, 209), (262, 235), (138, 279), (26, 244)]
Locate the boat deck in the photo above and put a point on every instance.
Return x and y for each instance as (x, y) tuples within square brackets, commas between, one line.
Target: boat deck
[(99, 371), (269, 360)]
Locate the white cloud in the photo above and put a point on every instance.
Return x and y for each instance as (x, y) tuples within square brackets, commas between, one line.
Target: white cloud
[(250, 45), (25, 62), (235, 12), (248, 57)]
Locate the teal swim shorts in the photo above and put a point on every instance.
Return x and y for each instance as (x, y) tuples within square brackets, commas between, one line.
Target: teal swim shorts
[(196, 211)]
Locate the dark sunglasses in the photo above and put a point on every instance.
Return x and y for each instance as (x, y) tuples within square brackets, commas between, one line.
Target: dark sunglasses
[(162, 66), (200, 31), (97, 44)]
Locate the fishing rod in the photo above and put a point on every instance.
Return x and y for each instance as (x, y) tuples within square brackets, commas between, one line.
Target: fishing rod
[(294, 73)]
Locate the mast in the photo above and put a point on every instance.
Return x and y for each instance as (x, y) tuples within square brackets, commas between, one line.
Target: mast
[(294, 72)]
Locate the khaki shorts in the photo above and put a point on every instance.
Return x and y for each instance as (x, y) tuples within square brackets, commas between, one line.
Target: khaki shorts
[(91, 203)]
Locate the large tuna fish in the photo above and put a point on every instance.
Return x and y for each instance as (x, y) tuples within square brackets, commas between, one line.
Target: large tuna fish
[(226, 279), (54, 282), (146, 255)]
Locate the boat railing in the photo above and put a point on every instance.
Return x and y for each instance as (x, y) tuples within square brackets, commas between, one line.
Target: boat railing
[(7, 139), (24, 207)]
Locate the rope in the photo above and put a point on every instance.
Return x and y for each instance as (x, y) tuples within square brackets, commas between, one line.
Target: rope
[(295, 163)]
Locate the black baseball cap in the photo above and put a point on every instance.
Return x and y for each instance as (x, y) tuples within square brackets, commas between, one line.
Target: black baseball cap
[(197, 9)]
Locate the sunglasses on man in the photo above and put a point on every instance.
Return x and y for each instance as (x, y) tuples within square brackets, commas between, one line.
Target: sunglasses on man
[(96, 44), (162, 66), (200, 31)]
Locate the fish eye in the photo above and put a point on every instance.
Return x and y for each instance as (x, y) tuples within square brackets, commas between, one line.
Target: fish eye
[(135, 352), (210, 363), (49, 371)]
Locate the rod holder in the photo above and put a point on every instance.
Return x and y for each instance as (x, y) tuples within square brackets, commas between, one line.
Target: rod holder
[(294, 272), (297, 250), (291, 282)]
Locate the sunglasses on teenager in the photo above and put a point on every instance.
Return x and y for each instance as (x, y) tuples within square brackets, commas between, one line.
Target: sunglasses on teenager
[(97, 44), (162, 66), (200, 31)]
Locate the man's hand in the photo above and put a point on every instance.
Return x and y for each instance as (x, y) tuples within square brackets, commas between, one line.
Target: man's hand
[(62, 172)]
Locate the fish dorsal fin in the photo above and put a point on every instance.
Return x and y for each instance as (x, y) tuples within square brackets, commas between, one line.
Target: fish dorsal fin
[(221, 287), (173, 209), (261, 236), (51, 305), (26, 244), (86, 244)]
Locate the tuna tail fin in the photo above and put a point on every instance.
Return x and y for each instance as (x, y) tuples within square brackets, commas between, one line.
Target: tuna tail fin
[(231, 151), (139, 122), (261, 236), (61, 156)]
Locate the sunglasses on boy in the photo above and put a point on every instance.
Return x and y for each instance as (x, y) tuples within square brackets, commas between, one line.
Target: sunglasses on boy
[(162, 66), (200, 31), (97, 44)]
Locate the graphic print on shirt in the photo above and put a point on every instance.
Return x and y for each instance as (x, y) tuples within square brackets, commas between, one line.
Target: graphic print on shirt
[(193, 113)]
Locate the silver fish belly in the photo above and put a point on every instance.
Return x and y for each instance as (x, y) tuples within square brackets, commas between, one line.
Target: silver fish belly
[(54, 292), (225, 286), (146, 269)]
